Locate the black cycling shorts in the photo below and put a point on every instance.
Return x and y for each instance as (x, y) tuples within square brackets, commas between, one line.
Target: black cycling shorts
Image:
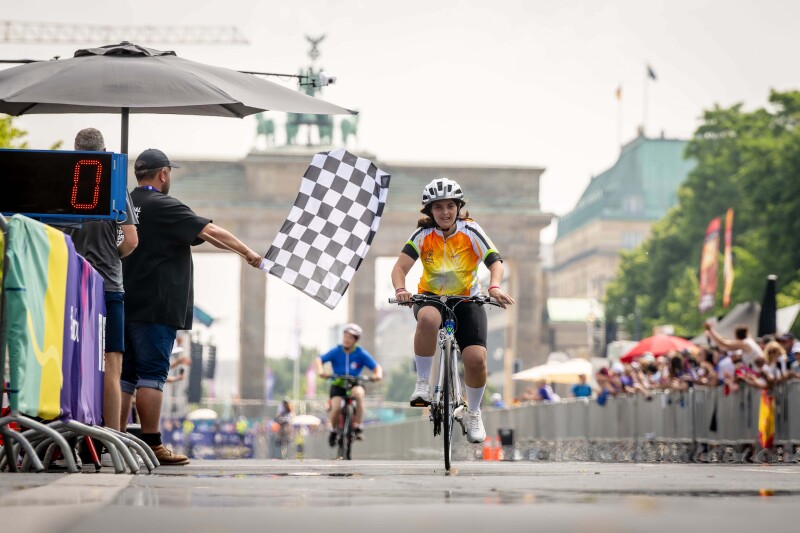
[(471, 322), (336, 390)]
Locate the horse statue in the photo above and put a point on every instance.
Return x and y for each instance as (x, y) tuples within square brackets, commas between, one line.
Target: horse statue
[(266, 127), (349, 127)]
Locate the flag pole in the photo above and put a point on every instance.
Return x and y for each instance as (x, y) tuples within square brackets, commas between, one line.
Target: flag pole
[(619, 115), (644, 104)]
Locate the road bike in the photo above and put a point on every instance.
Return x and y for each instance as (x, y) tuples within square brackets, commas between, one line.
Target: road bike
[(346, 432), (448, 406)]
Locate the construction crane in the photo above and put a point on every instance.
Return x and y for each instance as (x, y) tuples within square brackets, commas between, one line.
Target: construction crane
[(12, 31)]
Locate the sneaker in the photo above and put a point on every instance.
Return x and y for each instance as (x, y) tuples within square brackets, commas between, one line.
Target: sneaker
[(475, 431), (167, 457), (422, 393), (359, 433), (332, 438)]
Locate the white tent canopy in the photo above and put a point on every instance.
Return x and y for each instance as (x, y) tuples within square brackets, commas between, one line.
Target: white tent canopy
[(555, 372)]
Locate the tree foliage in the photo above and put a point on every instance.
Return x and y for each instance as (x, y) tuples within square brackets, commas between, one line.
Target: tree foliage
[(747, 160), (11, 137)]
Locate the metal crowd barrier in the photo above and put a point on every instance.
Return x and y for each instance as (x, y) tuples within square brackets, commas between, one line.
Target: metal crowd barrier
[(697, 425)]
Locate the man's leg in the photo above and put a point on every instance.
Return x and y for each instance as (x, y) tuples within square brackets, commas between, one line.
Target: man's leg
[(115, 345), (153, 345), (112, 394), (126, 403), (148, 405)]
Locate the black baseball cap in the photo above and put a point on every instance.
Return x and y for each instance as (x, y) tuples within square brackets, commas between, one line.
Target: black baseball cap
[(151, 159)]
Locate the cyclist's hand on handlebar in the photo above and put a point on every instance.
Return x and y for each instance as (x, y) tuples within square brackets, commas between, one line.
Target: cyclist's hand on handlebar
[(325, 375), (502, 298), (403, 297)]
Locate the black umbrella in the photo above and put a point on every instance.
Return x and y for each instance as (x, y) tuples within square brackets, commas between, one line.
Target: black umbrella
[(126, 78), (767, 320)]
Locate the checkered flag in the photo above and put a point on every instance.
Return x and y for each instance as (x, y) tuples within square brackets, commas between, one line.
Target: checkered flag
[(331, 226)]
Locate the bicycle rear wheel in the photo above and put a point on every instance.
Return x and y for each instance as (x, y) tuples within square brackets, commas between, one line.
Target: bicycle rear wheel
[(448, 404)]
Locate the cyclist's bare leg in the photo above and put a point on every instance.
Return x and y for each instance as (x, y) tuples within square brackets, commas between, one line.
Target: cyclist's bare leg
[(357, 392), (474, 358), (428, 321), (336, 409)]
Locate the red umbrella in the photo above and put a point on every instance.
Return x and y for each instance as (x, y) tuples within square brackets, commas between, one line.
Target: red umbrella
[(657, 345)]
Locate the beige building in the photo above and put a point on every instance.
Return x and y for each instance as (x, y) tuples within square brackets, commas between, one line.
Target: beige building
[(615, 213)]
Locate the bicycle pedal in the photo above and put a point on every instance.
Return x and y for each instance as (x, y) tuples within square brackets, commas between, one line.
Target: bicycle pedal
[(419, 403)]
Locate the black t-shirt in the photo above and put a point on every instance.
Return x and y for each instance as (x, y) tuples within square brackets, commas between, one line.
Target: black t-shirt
[(159, 273)]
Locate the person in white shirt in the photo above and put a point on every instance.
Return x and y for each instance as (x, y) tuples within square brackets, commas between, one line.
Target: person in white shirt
[(743, 342)]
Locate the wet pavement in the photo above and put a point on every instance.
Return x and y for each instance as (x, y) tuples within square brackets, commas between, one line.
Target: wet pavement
[(311, 495)]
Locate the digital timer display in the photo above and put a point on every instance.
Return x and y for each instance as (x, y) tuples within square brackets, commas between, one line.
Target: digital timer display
[(63, 185)]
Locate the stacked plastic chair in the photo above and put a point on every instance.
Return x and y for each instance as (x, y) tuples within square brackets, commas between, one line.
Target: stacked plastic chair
[(52, 329)]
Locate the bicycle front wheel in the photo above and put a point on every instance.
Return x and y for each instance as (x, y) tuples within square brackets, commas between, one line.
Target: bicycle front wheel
[(448, 403), (346, 435)]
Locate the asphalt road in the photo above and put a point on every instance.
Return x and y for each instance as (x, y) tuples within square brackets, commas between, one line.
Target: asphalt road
[(382, 497)]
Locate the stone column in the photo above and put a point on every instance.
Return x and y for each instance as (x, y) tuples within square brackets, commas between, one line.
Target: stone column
[(252, 312), (362, 303)]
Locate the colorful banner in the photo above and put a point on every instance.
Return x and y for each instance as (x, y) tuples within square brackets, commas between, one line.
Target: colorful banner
[(727, 275), (56, 324), (35, 285), (92, 346), (708, 267)]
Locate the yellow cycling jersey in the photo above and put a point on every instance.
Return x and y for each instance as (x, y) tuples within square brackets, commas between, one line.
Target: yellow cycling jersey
[(450, 266)]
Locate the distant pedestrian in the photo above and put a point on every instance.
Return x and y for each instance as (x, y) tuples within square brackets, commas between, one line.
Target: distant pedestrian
[(581, 389)]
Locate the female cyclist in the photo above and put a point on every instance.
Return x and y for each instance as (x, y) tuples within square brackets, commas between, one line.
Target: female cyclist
[(450, 246)]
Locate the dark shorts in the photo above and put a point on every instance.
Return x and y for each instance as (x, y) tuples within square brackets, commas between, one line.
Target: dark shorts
[(336, 390), (115, 321), (146, 361), (471, 323)]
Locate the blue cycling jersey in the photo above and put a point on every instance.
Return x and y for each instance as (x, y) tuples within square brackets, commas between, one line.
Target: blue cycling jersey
[(352, 364)]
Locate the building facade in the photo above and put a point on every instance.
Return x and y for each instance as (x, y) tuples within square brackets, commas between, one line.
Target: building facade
[(615, 213)]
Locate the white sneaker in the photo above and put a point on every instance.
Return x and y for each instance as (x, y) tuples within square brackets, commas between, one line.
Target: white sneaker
[(105, 460), (475, 431), (422, 393)]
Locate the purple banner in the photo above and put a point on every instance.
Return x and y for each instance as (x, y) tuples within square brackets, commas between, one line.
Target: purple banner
[(70, 363), (92, 347)]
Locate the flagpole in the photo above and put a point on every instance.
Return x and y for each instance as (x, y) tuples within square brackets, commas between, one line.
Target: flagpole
[(644, 104), (619, 116)]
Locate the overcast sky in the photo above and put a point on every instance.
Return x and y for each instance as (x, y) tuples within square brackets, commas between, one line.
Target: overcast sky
[(518, 82)]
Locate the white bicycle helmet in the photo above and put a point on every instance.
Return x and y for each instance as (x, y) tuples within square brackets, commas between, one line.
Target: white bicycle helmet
[(353, 329), (442, 189)]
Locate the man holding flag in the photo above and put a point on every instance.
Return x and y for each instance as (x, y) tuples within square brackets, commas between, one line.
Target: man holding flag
[(160, 296)]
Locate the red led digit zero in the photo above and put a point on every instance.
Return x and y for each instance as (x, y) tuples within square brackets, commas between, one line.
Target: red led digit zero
[(76, 179)]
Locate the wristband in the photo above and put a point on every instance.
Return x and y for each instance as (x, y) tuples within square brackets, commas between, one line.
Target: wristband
[(493, 287), (397, 291)]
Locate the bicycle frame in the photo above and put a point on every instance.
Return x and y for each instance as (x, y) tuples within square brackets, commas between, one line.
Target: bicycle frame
[(347, 413)]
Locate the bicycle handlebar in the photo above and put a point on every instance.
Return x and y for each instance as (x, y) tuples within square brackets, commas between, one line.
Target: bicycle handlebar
[(479, 299), (353, 379)]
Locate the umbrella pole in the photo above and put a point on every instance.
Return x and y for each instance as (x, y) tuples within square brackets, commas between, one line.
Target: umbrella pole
[(124, 137)]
